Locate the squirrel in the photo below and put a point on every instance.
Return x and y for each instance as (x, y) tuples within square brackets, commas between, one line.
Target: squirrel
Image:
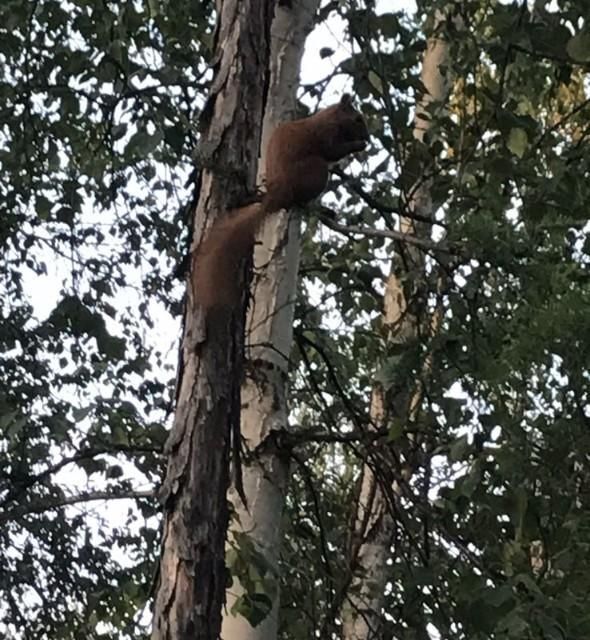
[(298, 156)]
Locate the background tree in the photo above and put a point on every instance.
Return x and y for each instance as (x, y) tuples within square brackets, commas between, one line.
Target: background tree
[(406, 319)]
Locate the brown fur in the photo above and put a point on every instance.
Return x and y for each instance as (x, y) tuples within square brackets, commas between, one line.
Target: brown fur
[(297, 160)]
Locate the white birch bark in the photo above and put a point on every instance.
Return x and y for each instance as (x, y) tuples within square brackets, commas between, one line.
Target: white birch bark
[(362, 613), (269, 336)]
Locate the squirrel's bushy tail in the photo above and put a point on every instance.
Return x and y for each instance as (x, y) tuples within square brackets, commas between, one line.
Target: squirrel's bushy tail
[(217, 259)]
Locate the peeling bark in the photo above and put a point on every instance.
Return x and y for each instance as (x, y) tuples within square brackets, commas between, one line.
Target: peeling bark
[(192, 578)]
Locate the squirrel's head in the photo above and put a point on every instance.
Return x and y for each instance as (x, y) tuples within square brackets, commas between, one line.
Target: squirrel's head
[(352, 125)]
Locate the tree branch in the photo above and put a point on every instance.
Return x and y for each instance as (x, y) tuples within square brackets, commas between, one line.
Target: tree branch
[(84, 454), (90, 496), (372, 202), (328, 216)]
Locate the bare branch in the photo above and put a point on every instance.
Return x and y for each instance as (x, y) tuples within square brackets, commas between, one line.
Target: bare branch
[(421, 243)]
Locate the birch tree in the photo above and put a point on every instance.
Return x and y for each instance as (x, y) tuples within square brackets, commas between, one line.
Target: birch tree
[(252, 605), (372, 535)]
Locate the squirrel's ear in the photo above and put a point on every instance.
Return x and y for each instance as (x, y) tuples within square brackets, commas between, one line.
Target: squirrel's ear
[(346, 100)]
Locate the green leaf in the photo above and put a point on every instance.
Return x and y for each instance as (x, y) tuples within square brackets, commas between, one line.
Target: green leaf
[(499, 596), (114, 471), (175, 137), (396, 429), (141, 144), (376, 82), (387, 374), (578, 47), (517, 141), (458, 449), (43, 207), (255, 608), (79, 413), (388, 24), (154, 8)]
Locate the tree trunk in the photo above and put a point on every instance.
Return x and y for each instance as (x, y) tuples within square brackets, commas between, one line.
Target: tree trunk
[(372, 536), (192, 576), (269, 337)]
